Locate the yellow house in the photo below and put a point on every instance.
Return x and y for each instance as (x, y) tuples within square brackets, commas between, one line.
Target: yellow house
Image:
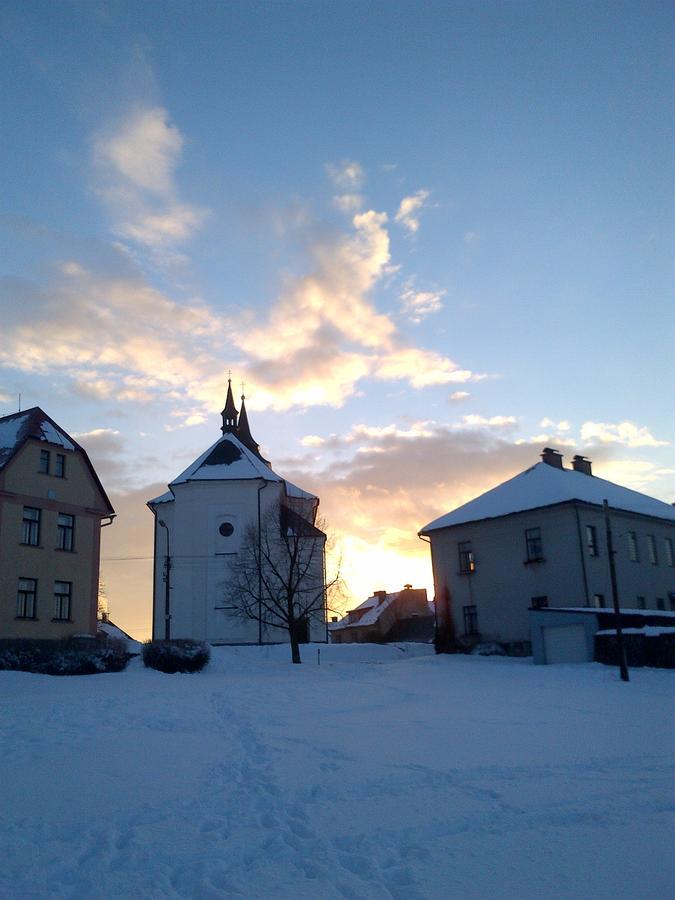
[(52, 507)]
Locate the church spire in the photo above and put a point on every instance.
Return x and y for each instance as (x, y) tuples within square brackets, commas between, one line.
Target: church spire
[(229, 414), (244, 433)]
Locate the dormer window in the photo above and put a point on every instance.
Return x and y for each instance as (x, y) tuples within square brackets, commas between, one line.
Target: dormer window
[(45, 456)]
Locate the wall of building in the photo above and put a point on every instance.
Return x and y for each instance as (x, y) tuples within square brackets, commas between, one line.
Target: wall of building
[(201, 558), (504, 585), (76, 494)]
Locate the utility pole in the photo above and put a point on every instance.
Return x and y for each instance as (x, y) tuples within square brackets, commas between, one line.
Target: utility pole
[(615, 596)]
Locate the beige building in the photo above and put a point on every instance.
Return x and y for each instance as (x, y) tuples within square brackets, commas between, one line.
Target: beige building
[(52, 507)]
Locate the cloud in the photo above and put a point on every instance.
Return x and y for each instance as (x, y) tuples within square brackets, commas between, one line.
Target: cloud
[(417, 305), (348, 203), (639, 474), (459, 395), (346, 174), (475, 421), (111, 334), (408, 210), (324, 333), (395, 479), (563, 425), (627, 434), (312, 440), (135, 160)]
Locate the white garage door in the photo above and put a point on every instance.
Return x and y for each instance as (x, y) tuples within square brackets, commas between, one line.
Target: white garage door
[(565, 644)]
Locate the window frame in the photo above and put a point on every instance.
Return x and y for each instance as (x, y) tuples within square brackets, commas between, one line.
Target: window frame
[(540, 602), (31, 527), (60, 465), (45, 463), (633, 546), (599, 601), (65, 533), (670, 556), (22, 598), (652, 551), (592, 540), (62, 597), (467, 561), (470, 614), (534, 545), (641, 602)]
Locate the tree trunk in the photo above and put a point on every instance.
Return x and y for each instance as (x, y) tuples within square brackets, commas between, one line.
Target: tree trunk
[(295, 648)]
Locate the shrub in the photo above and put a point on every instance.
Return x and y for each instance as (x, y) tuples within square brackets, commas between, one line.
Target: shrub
[(176, 656), (642, 649), (71, 656)]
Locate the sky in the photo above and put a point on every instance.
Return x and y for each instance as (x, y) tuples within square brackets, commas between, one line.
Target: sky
[(429, 238)]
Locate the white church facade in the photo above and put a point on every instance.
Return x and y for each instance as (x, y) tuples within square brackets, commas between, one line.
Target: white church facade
[(201, 524)]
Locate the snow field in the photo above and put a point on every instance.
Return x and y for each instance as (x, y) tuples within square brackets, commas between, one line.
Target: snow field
[(382, 773)]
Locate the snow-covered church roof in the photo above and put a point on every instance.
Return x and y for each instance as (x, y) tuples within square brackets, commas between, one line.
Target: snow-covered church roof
[(235, 456), (547, 485)]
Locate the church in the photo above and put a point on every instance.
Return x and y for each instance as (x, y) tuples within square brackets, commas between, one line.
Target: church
[(204, 525)]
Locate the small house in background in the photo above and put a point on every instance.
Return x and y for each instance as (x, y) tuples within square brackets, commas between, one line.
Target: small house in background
[(52, 505), (402, 616)]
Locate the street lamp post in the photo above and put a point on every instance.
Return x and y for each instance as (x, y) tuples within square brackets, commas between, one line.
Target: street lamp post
[(167, 584)]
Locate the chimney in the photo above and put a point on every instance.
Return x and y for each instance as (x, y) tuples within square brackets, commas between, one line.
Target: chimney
[(581, 464), (552, 457), (333, 618), (381, 596), (407, 587)]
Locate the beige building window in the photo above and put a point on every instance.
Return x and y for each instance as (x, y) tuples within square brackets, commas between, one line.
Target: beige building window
[(63, 591), (60, 465), (44, 462), (26, 599), (30, 526), (651, 550), (592, 540), (467, 563), (65, 539)]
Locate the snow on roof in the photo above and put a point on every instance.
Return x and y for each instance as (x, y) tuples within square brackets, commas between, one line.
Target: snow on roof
[(292, 490), (226, 460), (546, 485), (19, 426), (166, 497)]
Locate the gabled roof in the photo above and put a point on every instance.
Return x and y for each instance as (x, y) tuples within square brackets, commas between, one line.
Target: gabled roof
[(35, 424), (230, 460), (546, 485), (227, 460)]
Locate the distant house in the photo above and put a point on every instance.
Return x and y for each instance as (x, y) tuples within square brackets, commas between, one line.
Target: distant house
[(52, 505), (402, 616), (538, 540), (200, 524)]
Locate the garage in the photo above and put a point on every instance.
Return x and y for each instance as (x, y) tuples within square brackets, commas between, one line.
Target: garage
[(566, 644)]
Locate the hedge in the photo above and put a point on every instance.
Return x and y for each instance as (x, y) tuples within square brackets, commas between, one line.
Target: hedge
[(176, 656), (655, 650), (70, 656)]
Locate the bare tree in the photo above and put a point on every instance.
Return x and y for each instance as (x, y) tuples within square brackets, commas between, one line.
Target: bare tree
[(278, 578)]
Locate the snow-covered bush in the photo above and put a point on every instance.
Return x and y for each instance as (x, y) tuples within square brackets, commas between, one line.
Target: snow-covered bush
[(176, 656), (72, 656), (489, 648)]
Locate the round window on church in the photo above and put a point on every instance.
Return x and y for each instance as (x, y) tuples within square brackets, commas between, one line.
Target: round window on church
[(226, 529)]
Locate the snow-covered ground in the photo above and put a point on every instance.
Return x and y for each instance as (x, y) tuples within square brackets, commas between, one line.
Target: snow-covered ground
[(381, 773)]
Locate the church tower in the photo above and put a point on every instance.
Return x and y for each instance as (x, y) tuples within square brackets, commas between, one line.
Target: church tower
[(200, 523)]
